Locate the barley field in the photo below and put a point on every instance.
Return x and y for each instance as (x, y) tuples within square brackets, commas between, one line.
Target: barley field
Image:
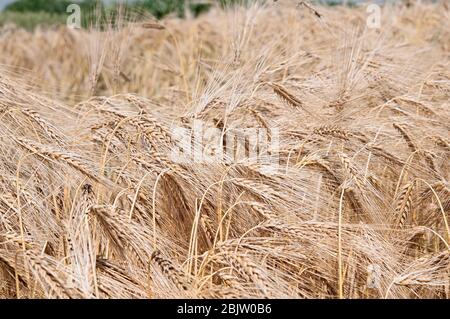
[(356, 205)]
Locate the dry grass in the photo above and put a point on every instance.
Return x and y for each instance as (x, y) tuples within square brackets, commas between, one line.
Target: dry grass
[(93, 206)]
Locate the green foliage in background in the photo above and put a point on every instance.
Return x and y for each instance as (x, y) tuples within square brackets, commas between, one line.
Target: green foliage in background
[(48, 6), (29, 13), (29, 20), (161, 8)]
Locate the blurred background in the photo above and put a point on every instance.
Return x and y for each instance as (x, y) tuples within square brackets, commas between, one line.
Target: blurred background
[(31, 13)]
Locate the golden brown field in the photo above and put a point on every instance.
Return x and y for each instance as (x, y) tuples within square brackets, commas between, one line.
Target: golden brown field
[(92, 205)]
